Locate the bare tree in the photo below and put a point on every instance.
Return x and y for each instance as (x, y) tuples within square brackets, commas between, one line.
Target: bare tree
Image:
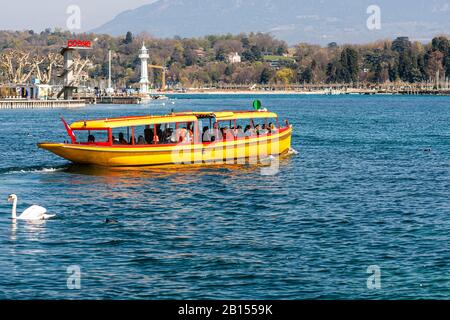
[(79, 69), (44, 66), (16, 66)]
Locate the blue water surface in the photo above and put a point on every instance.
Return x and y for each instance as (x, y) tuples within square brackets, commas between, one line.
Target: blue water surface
[(369, 187)]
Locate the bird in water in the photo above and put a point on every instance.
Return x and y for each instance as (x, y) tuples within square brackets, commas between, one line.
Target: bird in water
[(33, 213), (113, 221)]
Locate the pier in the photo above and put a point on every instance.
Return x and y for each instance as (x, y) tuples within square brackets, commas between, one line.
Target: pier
[(113, 100), (40, 104)]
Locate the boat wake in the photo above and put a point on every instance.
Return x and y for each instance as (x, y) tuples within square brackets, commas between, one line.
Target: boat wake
[(16, 170), (292, 152)]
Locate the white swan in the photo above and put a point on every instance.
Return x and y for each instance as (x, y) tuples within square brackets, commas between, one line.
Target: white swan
[(32, 213)]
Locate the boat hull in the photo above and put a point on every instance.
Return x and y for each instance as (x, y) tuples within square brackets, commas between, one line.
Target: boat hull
[(231, 152)]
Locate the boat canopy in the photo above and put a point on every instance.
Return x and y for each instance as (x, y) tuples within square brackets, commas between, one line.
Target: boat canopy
[(172, 118), (233, 115), (225, 116)]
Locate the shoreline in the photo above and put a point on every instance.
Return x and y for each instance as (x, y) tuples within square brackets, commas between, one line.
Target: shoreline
[(306, 93)]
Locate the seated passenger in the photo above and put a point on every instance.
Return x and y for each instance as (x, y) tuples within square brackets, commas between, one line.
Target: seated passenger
[(167, 136), (159, 133), (148, 134), (264, 130), (228, 134), (172, 136), (258, 130), (249, 131), (206, 135), (114, 140), (122, 139), (239, 133), (91, 139), (182, 135), (272, 128), (216, 134), (141, 140), (190, 135)]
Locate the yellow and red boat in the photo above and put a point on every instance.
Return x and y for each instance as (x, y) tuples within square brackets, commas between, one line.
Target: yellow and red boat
[(176, 138)]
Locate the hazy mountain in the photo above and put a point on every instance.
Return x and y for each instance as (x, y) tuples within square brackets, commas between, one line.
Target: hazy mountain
[(314, 21)]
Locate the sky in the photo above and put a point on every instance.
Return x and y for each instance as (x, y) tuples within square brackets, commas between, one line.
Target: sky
[(40, 14)]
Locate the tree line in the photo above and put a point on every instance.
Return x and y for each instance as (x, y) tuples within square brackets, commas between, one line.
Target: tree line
[(196, 62)]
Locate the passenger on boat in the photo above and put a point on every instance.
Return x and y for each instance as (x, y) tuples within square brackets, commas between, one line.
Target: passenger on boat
[(114, 140), (249, 131), (141, 140), (181, 135), (148, 134), (258, 130), (227, 134), (189, 136), (167, 136), (216, 133), (173, 136), (206, 135), (272, 128), (239, 133), (264, 130), (122, 139), (190, 127), (159, 133), (91, 139)]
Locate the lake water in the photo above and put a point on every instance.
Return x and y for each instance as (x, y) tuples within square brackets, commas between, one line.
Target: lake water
[(369, 187)]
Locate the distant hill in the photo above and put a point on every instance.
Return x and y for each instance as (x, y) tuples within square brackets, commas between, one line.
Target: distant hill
[(313, 21)]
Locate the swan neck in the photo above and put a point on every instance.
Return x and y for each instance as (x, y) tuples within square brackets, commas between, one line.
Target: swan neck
[(14, 208)]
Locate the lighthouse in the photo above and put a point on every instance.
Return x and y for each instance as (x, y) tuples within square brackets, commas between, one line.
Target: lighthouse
[(144, 70)]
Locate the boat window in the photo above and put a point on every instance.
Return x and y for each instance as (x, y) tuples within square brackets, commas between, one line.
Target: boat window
[(122, 136), (91, 136), (148, 134)]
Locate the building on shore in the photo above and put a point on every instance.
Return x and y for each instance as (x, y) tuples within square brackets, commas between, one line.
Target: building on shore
[(234, 58), (26, 91)]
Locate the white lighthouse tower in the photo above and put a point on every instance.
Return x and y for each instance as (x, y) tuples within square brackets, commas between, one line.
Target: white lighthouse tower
[(144, 70)]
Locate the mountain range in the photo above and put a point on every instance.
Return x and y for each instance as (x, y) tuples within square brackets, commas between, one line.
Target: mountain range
[(312, 21)]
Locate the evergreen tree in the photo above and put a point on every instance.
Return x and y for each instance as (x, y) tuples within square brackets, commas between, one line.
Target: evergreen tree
[(265, 76), (128, 38), (350, 68)]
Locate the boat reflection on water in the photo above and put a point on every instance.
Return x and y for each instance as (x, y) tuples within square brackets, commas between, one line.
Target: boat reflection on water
[(170, 170)]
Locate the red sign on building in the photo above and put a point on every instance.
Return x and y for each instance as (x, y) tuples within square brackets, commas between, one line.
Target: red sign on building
[(78, 43)]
